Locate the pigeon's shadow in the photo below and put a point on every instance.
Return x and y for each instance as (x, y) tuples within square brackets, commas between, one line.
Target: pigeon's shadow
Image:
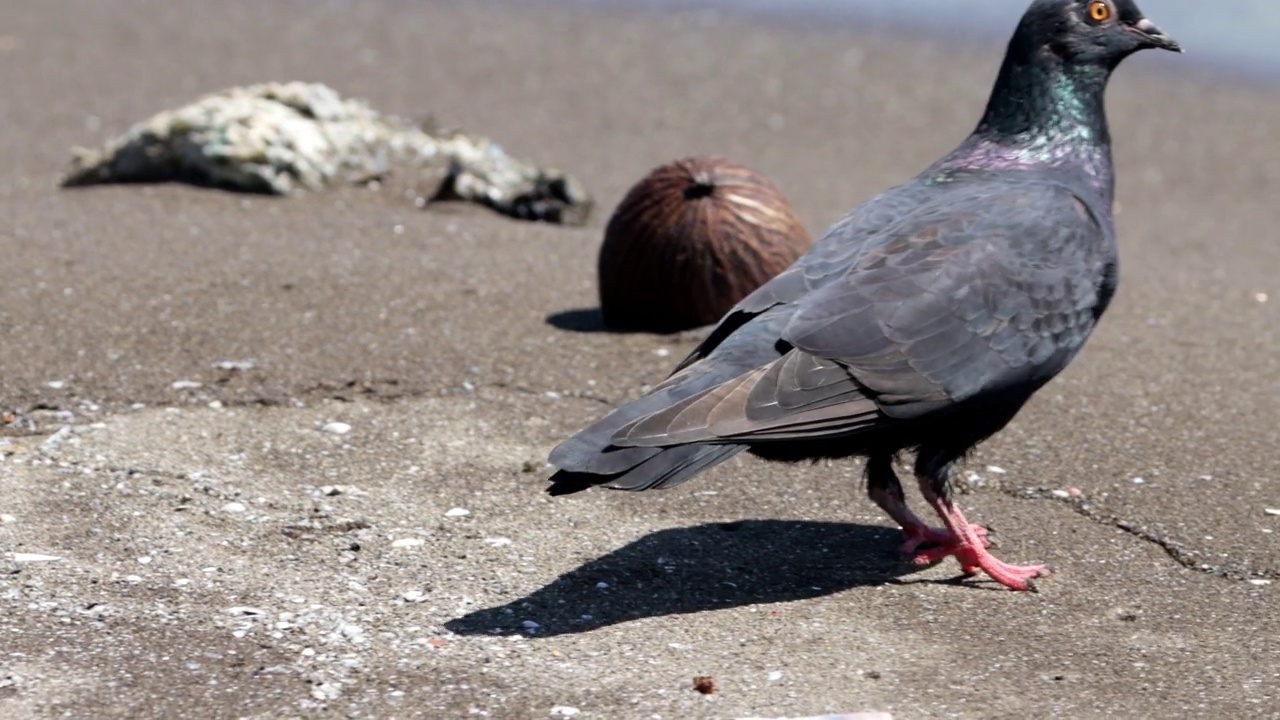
[(591, 320), (705, 567), (584, 320)]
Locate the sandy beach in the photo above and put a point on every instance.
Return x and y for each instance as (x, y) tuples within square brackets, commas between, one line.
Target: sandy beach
[(218, 553)]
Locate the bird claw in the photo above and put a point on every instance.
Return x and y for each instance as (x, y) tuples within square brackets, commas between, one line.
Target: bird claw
[(938, 543), (1014, 577)]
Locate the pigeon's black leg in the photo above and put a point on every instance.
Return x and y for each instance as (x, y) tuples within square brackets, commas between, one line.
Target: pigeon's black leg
[(884, 490), (932, 468)]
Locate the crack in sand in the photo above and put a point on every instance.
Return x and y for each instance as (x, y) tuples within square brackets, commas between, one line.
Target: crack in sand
[(1182, 554)]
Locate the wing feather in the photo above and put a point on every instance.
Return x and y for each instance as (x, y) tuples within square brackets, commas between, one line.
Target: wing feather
[(978, 294), (964, 301)]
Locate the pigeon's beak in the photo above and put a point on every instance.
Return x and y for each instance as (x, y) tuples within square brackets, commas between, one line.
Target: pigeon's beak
[(1153, 36)]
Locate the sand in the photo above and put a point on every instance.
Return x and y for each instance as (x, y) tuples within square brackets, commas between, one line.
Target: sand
[(223, 555)]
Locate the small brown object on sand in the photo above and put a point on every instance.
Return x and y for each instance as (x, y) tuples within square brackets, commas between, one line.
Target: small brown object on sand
[(690, 240)]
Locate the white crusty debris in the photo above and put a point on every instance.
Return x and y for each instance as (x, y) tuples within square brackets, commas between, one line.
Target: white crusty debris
[(288, 138)]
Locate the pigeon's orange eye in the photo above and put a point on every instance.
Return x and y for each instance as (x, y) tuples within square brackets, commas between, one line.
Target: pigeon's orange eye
[(1099, 11)]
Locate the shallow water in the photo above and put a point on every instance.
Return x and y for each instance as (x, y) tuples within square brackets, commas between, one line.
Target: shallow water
[(1238, 36)]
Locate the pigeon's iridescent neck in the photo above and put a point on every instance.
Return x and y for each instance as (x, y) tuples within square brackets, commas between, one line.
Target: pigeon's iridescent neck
[(1089, 161), (1043, 116)]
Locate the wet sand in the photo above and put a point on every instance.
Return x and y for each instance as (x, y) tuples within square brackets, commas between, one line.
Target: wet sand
[(455, 350)]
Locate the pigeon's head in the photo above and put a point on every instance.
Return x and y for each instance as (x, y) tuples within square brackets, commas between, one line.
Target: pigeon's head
[(1090, 32)]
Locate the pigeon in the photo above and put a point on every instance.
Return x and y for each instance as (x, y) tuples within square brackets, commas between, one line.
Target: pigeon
[(922, 321)]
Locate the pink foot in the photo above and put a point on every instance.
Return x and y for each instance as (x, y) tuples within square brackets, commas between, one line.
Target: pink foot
[(1014, 577), (970, 549), (937, 554), (939, 545), (923, 535)]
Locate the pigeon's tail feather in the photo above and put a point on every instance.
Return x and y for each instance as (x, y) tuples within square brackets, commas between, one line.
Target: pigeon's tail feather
[(590, 457), (663, 469)]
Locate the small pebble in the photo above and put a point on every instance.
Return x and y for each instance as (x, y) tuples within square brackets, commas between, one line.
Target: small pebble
[(336, 428), (407, 542), (133, 579), (186, 385), (144, 560), (1260, 297), (564, 711), (530, 625), (996, 469), (5, 519), (34, 557), (234, 365), (662, 352), (326, 691), (234, 507), (1273, 511), (246, 610), (1061, 494), (1137, 481), (553, 394), (457, 512), (775, 675), (602, 586), (56, 384), (414, 596), (498, 541), (1260, 581)]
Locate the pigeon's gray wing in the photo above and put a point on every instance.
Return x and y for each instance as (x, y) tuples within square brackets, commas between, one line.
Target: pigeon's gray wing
[(999, 294), (829, 258), (994, 289)]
